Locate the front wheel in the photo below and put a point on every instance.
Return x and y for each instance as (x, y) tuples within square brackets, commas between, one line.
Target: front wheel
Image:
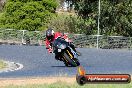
[(72, 61), (76, 61)]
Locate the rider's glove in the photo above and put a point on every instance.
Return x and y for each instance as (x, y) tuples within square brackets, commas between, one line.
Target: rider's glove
[(50, 50)]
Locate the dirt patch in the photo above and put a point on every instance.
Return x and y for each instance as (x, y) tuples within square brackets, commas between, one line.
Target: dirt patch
[(38, 80)]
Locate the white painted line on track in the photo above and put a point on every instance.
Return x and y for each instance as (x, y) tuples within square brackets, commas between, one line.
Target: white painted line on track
[(11, 66)]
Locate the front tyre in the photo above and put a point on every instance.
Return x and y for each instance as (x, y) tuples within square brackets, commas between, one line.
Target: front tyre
[(76, 61), (72, 61), (66, 64)]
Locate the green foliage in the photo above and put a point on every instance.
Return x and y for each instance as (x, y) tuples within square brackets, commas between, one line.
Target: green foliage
[(116, 15), (60, 84), (115, 20), (87, 11), (28, 14), (71, 24), (2, 64)]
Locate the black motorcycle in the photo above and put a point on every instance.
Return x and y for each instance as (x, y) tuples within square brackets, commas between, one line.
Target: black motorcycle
[(67, 54)]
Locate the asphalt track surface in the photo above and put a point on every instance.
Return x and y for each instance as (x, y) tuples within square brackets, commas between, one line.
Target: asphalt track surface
[(38, 63)]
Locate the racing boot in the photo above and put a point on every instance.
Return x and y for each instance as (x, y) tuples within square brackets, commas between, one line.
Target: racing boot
[(58, 58)]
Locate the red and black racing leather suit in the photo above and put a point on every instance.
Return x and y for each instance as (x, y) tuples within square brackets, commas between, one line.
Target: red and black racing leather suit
[(56, 35)]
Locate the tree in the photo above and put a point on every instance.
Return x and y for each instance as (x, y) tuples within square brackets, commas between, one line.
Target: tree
[(116, 19), (28, 14), (72, 24), (116, 15)]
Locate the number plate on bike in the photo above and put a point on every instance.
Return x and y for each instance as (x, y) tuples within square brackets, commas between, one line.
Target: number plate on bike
[(59, 50)]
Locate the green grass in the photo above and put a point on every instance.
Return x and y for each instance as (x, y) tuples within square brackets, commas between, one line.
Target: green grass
[(65, 85), (2, 64)]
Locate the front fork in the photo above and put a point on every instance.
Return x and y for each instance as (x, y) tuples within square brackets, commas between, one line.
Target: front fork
[(72, 46)]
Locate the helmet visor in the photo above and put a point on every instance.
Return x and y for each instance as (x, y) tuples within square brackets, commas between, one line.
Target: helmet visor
[(50, 37)]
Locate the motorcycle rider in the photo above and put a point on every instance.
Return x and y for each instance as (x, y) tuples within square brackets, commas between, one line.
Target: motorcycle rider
[(51, 36)]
